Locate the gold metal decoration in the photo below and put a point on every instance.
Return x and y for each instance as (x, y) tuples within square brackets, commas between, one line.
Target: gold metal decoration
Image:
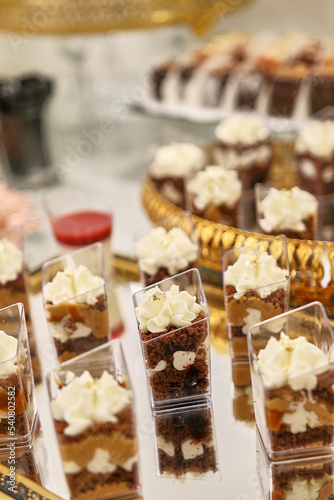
[(311, 262), (31, 17)]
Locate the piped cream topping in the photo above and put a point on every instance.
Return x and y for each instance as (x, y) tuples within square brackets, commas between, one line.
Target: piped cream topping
[(177, 160), (287, 209), (296, 362), (242, 130), (171, 249), (85, 400), (255, 271), (8, 349), (162, 309), (215, 185), (10, 261), (75, 285), (317, 138)]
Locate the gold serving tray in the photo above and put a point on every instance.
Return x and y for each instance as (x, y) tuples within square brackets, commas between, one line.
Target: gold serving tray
[(309, 260), (31, 17)]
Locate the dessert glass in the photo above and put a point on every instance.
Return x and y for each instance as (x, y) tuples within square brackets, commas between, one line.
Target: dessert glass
[(18, 404), (254, 304), (76, 323), (79, 218), (185, 443), (293, 391), (305, 477), (98, 445), (291, 212), (13, 284), (165, 250), (177, 359)]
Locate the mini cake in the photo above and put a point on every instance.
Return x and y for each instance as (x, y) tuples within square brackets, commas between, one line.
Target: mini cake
[(214, 194), (291, 212), (322, 80), (97, 443), (298, 394), (175, 334), (16, 387), (243, 144), (163, 253), (185, 443), (314, 152), (170, 167), (76, 311), (306, 478), (255, 289)]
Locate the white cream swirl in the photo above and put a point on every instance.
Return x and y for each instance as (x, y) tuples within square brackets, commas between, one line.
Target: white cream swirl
[(241, 129), (162, 309), (8, 349), (255, 271), (85, 400), (286, 209), (291, 361), (215, 186), (77, 285), (171, 249), (177, 160), (10, 261), (317, 138)]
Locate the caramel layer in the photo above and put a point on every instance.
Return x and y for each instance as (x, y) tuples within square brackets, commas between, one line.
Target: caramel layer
[(236, 309)]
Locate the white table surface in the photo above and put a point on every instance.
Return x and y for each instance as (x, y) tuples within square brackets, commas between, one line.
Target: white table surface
[(235, 441)]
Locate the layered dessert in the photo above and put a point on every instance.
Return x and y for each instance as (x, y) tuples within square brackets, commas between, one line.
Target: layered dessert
[(162, 253), (242, 393), (298, 395), (170, 167), (16, 388), (322, 80), (314, 153), (75, 305), (255, 289), (292, 212), (95, 430), (174, 333), (311, 479), (185, 444), (243, 144), (215, 194)]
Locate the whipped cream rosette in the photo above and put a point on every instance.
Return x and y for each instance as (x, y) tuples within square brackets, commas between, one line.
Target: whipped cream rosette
[(75, 302), (293, 382), (256, 288), (174, 332)]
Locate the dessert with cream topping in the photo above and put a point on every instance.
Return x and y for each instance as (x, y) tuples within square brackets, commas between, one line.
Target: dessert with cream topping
[(256, 288), (170, 167), (314, 153), (76, 310), (185, 443), (292, 212), (243, 144), (214, 194), (95, 430), (174, 332), (162, 253), (297, 393)]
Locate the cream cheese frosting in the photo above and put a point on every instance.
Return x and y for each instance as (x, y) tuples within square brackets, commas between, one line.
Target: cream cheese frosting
[(177, 160), (162, 309), (8, 349), (171, 249), (296, 362), (215, 186), (299, 419), (305, 490), (241, 129), (85, 400), (255, 271), (11, 258), (317, 138), (286, 209), (74, 285)]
